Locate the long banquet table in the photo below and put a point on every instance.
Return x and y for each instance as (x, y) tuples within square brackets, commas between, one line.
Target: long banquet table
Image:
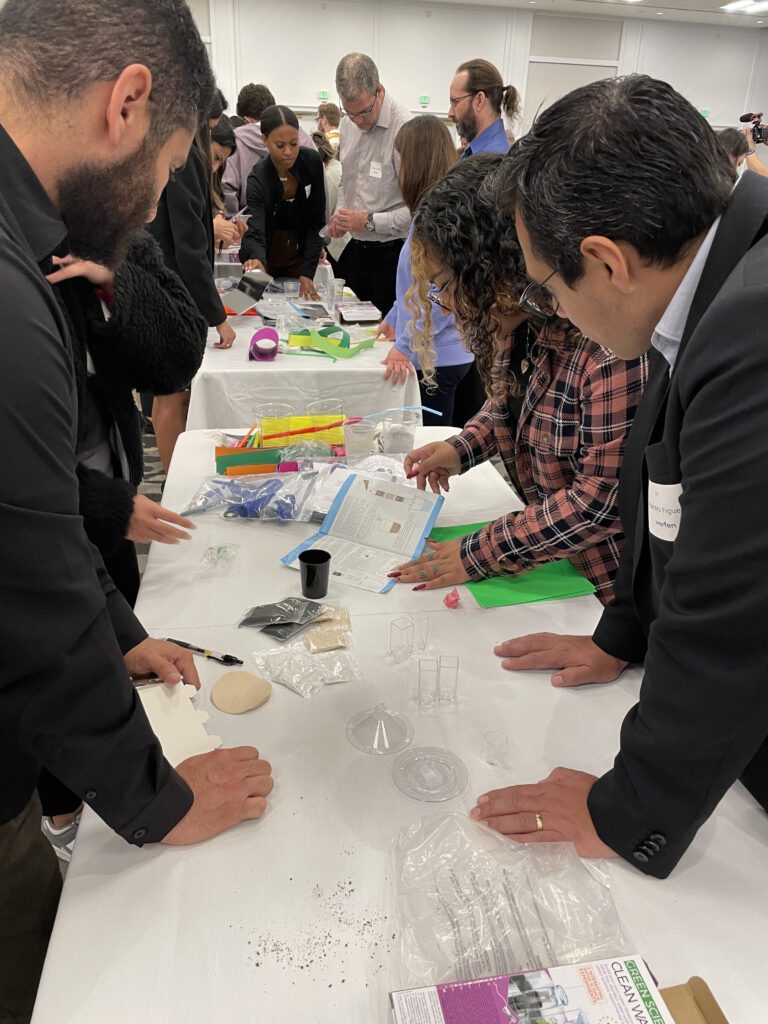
[(291, 918)]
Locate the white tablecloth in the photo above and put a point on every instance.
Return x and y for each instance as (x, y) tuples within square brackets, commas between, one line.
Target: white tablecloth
[(289, 919), (228, 386)]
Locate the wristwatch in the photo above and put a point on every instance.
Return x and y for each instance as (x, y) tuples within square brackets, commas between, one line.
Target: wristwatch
[(369, 224)]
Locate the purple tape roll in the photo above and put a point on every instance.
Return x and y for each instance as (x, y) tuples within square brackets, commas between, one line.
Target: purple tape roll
[(263, 344)]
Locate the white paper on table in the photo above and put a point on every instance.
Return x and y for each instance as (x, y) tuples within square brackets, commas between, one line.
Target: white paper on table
[(372, 527)]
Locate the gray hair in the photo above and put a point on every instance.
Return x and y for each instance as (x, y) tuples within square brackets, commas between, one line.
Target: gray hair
[(50, 52), (356, 74)]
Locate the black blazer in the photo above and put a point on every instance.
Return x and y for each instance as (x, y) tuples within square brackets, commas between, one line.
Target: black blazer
[(693, 605), (183, 229), (264, 192)]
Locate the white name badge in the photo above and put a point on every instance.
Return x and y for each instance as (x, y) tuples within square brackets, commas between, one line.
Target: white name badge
[(664, 510), (308, 190), (375, 169)]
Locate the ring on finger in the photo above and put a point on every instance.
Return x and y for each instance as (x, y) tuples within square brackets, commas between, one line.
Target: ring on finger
[(539, 822)]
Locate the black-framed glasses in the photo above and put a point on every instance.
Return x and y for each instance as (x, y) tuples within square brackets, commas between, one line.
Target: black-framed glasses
[(360, 113), (435, 291), (455, 100), (538, 301)]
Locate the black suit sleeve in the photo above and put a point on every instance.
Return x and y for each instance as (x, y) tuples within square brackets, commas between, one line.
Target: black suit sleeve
[(189, 212), (254, 243), (65, 697), (315, 213), (703, 704)]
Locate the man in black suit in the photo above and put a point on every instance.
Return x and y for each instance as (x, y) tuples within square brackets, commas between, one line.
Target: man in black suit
[(642, 246), (87, 143)]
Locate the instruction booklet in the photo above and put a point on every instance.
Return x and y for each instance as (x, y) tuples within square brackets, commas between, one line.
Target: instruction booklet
[(617, 991), (372, 527)]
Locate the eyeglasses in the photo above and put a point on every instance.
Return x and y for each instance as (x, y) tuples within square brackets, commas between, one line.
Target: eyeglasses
[(538, 301), (434, 292), (455, 100), (360, 113)]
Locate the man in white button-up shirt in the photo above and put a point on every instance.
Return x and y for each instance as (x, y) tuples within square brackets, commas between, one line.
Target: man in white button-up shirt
[(371, 206)]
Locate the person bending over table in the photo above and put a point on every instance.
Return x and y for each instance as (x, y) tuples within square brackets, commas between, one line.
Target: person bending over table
[(643, 257), (559, 406), (286, 203), (426, 152)]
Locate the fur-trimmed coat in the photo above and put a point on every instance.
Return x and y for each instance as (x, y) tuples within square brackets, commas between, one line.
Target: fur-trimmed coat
[(154, 341)]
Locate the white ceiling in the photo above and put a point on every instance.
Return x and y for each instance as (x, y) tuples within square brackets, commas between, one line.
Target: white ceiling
[(706, 11)]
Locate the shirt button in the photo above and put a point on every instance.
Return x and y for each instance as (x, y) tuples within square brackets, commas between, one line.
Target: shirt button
[(139, 833), (657, 837), (546, 440), (640, 857), (91, 794)]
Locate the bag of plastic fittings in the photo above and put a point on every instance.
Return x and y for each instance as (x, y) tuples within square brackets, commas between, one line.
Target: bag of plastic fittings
[(286, 497), (306, 673), (474, 904)]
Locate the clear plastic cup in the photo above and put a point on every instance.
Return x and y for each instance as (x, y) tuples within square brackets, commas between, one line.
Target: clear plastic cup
[(420, 630), (358, 438), (428, 677), (495, 749), (401, 638), (448, 683), (326, 407), (398, 435), (278, 416)]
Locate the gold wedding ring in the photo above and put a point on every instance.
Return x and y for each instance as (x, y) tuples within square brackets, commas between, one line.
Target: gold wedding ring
[(539, 822)]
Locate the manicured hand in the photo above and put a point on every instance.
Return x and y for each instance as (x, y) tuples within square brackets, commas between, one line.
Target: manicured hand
[(151, 521), (163, 659), (578, 659), (440, 567), (226, 335), (398, 367), (70, 266), (224, 231), (433, 464), (560, 800), (229, 786), (252, 265), (307, 289)]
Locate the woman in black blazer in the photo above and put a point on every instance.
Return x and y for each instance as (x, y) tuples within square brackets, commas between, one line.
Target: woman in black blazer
[(286, 203)]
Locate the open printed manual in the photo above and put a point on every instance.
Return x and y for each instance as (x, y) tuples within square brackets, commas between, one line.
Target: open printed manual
[(372, 527)]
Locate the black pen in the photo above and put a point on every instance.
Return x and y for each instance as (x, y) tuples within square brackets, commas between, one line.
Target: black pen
[(223, 659)]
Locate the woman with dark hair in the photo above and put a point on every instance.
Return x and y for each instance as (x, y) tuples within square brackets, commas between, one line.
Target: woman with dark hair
[(741, 152), (559, 406), (426, 152), (286, 203), (223, 145)]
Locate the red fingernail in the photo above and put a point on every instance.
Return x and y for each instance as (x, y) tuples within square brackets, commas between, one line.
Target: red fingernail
[(421, 586), (393, 575)]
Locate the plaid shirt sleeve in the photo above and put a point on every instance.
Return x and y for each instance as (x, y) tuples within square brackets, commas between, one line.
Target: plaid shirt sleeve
[(585, 511), (477, 442)]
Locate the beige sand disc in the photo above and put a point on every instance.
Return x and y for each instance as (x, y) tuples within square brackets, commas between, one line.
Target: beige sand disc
[(237, 692)]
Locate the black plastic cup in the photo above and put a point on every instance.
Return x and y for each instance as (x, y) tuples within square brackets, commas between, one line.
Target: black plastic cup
[(314, 567)]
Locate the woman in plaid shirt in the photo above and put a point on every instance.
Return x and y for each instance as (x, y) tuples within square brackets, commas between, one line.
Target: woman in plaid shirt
[(559, 406)]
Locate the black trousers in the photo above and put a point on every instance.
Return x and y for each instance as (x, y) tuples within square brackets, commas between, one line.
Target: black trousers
[(370, 270), (442, 398), (30, 884)]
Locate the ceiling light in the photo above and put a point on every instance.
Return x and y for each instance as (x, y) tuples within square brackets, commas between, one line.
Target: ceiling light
[(640, 1), (737, 5), (758, 8)]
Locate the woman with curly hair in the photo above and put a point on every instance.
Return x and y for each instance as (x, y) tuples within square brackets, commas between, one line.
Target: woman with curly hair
[(559, 406)]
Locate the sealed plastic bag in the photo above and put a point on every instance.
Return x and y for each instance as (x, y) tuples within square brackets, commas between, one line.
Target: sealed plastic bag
[(326, 637), (473, 904), (286, 497), (289, 610), (306, 673), (217, 561)]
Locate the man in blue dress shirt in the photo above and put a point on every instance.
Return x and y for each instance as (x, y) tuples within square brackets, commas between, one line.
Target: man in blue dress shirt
[(478, 97)]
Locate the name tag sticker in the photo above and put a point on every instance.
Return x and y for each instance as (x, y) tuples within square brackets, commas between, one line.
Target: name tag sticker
[(375, 170), (308, 190), (664, 510)]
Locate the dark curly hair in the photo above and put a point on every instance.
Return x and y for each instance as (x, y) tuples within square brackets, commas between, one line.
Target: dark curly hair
[(458, 223)]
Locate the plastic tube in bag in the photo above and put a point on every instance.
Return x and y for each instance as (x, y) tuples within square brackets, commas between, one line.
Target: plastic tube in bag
[(474, 904)]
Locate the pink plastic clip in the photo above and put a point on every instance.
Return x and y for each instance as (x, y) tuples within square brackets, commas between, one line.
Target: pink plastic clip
[(452, 599)]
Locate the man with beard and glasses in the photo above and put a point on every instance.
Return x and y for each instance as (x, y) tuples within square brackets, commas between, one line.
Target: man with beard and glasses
[(87, 142), (477, 98)]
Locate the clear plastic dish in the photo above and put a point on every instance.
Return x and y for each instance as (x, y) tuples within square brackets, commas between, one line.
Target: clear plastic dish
[(431, 774), (379, 730)]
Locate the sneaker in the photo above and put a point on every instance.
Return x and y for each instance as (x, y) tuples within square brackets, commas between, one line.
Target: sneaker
[(61, 839)]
